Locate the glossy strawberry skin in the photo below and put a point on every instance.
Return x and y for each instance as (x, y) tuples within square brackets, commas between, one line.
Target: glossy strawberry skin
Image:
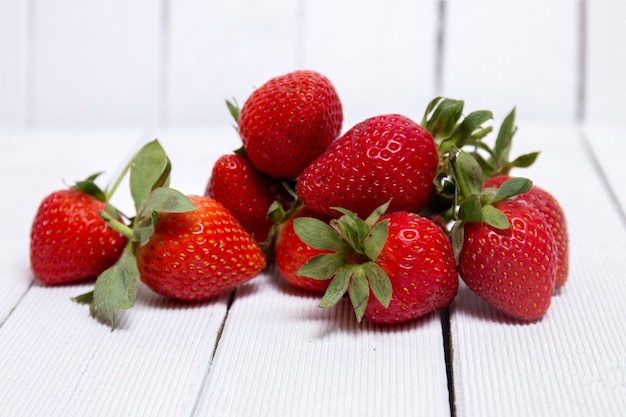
[(514, 269), (291, 253), (554, 214), (289, 121), (246, 193), (69, 241), (387, 157), (419, 260), (196, 255)]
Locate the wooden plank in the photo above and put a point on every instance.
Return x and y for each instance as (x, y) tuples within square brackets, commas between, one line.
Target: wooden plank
[(603, 140), (571, 362), (96, 63), (280, 354), (223, 50), (504, 54), (380, 56), (13, 62), (606, 61), (61, 362)]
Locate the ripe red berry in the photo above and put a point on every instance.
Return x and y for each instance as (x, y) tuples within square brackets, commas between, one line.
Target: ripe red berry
[(68, 239), (198, 254), (289, 121), (384, 158), (512, 269)]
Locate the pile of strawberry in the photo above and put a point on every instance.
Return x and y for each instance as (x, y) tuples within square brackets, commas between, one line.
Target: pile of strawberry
[(391, 213)]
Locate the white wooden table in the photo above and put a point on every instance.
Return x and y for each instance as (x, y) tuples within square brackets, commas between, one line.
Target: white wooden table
[(266, 349)]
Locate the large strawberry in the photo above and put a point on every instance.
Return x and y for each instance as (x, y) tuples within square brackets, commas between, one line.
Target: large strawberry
[(291, 253), (396, 268), (552, 211), (246, 193), (198, 254), (387, 157), (68, 239), (288, 121), (513, 269)]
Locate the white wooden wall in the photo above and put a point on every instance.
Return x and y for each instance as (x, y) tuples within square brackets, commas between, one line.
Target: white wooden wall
[(91, 63)]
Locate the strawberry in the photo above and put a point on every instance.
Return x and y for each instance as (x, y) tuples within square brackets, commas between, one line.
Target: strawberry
[(289, 121), (514, 268), (395, 267), (68, 239), (552, 211), (291, 253), (246, 193), (198, 254), (387, 157)]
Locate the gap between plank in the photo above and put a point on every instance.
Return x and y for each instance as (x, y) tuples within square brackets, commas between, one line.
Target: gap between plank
[(605, 179), (231, 299), (448, 351)]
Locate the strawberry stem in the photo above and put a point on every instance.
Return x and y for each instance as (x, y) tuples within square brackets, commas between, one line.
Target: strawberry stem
[(117, 225)]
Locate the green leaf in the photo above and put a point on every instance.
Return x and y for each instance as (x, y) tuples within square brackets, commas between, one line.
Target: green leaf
[(351, 228), (359, 292), (379, 282), (89, 187), (144, 229), (495, 217), (375, 240), (233, 109), (322, 267), (337, 287), (524, 161), (471, 210), (444, 118), (457, 235), (376, 214), (167, 200), (317, 234), (472, 124), (469, 174), (147, 170), (116, 288), (513, 187), (504, 141)]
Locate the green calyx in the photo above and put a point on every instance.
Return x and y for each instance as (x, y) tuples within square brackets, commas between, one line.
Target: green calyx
[(475, 204), (150, 169), (354, 245), (466, 160)]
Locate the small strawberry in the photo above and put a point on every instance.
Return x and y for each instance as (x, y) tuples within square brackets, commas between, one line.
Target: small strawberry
[(404, 260), (246, 193), (383, 158), (291, 253), (513, 269), (68, 239), (552, 211), (288, 121), (198, 254)]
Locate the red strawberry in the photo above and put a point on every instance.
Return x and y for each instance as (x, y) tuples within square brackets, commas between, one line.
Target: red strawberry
[(383, 158), (552, 211), (198, 254), (68, 239), (291, 253), (246, 193), (288, 121), (513, 269), (396, 268), (419, 261)]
